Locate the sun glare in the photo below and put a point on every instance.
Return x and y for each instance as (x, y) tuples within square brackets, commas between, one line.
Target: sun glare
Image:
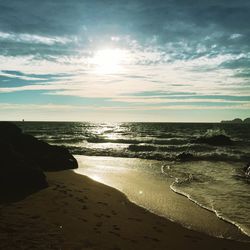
[(108, 61)]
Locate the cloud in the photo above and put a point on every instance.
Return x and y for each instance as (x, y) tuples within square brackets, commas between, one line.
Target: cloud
[(73, 108), (33, 39), (195, 48)]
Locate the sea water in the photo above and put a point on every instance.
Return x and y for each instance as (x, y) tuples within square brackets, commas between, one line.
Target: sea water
[(212, 178)]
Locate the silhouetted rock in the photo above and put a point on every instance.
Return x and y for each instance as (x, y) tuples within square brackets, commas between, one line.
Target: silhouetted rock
[(237, 120), (215, 140), (247, 120), (185, 157), (247, 170), (138, 148), (18, 176), (23, 159), (9, 130), (47, 157)]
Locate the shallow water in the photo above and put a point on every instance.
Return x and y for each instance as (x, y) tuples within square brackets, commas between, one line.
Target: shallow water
[(212, 179), (143, 183)]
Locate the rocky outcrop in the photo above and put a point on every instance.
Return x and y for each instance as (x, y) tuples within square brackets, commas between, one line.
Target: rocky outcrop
[(215, 140), (138, 148), (237, 120), (184, 157), (47, 157), (247, 171), (23, 158), (18, 175), (247, 120)]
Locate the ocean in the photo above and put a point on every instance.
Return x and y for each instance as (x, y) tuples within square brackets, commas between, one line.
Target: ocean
[(161, 154)]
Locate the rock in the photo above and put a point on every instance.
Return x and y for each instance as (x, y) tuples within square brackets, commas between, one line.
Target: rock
[(247, 170), (216, 140), (18, 176), (185, 157), (23, 159), (47, 157), (237, 120), (247, 120), (138, 148), (8, 131)]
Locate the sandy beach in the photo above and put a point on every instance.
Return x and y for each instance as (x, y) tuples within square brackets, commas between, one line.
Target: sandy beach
[(76, 212)]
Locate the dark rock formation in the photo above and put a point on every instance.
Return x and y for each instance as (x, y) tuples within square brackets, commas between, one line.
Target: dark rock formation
[(247, 170), (185, 157), (47, 157), (138, 148), (215, 140), (237, 121), (247, 120), (23, 159), (18, 176), (244, 174)]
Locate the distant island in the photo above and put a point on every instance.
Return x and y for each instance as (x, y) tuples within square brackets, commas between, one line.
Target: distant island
[(237, 120)]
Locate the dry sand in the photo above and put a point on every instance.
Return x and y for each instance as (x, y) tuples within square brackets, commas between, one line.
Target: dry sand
[(76, 212)]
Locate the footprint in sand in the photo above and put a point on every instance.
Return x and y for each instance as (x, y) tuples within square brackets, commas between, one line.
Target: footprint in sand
[(34, 217), (133, 241), (81, 200), (97, 230), (113, 212), (134, 219), (102, 203), (99, 224), (151, 238), (158, 230), (98, 215), (115, 233), (84, 220), (116, 228)]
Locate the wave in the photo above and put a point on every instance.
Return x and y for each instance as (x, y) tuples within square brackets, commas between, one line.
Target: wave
[(161, 153), (210, 208), (105, 140), (138, 148), (169, 141), (215, 140)]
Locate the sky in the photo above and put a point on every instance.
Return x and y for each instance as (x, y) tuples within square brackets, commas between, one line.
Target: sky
[(131, 60)]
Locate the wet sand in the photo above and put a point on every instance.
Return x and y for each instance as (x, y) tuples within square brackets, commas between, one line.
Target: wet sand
[(76, 212), (143, 183)]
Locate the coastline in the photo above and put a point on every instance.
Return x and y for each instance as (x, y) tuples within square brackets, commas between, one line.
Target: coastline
[(148, 190), (221, 218), (76, 212)]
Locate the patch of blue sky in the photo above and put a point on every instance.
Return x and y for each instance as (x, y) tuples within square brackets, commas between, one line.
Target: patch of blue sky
[(42, 97), (43, 76)]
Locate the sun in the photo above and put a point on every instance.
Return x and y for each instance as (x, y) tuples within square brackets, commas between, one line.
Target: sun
[(108, 61)]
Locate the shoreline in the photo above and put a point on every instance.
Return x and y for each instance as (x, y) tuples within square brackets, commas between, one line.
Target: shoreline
[(76, 212), (214, 212), (158, 197)]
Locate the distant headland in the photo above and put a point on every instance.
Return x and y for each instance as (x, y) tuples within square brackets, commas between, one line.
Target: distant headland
[(237, 120)]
